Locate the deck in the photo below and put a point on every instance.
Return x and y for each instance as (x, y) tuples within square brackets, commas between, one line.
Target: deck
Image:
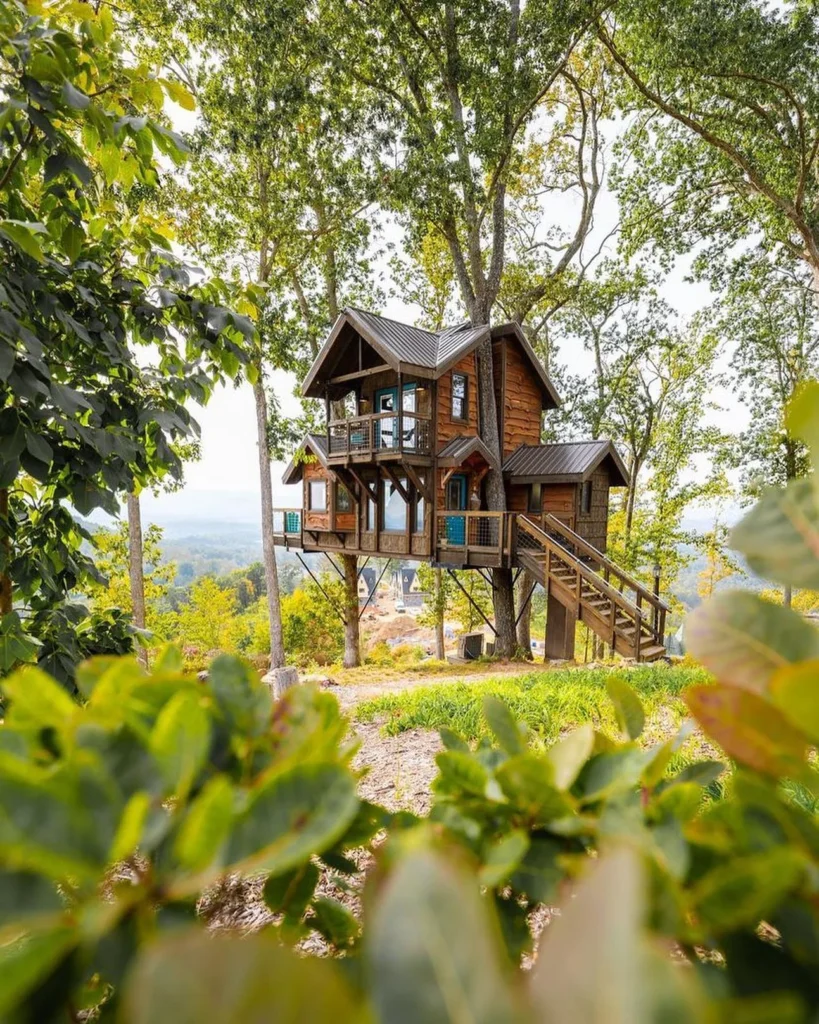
[(380, 436)]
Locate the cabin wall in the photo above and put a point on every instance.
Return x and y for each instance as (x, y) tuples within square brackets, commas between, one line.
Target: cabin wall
[(389, 379), (447, 427), (593, 526), (522, 409)]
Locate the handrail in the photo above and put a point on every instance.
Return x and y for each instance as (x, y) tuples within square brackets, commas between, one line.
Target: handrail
[(583, 570), (593, 552), (380, 416)]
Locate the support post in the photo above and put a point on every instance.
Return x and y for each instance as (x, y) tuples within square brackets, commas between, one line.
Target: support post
[(560, 626)]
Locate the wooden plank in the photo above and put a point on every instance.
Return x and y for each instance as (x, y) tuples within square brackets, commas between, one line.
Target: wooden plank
[(356, 374)]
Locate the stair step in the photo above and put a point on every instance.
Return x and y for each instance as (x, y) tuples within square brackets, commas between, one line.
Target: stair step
[(652, 652)]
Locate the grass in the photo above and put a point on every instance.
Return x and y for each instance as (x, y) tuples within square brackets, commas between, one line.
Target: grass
[(550, 702)]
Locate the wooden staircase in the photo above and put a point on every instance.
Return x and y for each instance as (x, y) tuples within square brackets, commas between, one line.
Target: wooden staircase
[(593, 587)]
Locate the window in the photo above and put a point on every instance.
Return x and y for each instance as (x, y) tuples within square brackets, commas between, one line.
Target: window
[(420, 512), (586, 497), (460, 407), (344, 503), (317, 496), (395, 508), (370, 515), (535, 497)]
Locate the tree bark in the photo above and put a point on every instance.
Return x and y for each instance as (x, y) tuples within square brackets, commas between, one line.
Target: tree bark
[(136, 571), (6, 591), (271, 573), (352, 638), (524, 628), (787, 596), (440, 640)]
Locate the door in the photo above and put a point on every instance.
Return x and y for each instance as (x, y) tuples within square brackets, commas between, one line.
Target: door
[(455, 498), (386, 432)]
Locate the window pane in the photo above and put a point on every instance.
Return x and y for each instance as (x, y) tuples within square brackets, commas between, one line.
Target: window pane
[(395, 509), (459, 396), (343, 500), (419, 514), (318, 496), (586, 497), (535, 497), (370, 515)]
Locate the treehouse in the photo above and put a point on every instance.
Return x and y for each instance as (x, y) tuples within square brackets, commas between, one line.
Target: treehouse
[(401, 472)]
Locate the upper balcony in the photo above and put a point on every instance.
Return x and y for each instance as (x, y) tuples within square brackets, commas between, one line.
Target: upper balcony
[(379, 436)]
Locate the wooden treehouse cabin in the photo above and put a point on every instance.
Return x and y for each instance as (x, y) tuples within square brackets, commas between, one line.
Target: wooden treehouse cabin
[(401, 470)]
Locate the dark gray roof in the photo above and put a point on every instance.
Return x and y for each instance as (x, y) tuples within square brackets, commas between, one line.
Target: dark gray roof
[(458, 450), (566, 462), (403, 346), (317, 444)]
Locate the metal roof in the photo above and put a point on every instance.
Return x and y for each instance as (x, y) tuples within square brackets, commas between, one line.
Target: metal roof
[(460, 448), (404, 346), (569, 461), (317, 444)]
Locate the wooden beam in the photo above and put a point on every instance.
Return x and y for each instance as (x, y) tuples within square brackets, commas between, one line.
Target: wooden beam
[(447, 475), (344, 377), (373, 494), (398, 485), (469, 598), (424, 488)]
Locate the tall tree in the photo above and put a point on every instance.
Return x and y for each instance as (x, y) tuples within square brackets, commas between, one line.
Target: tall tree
[(725, 141), (88, 274), (275, 195), (460, 87)]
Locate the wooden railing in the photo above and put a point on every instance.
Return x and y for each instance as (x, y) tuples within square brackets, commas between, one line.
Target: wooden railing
[(551, 558), (480, 532), (287, 524), (379, 432)]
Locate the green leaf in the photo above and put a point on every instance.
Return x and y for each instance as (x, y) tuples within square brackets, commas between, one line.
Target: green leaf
[(631, 716), (39, 448), (502, 723), (180, 741), (206, 825), (433, 949), (242, 698), (749, 729), (618, 977), (780, 535), (24, 894), (179, 94), (332, 920), (23, 237), (297, 812), (795, 691), (460, 772), (36, 699), (27, 960), (569, 755), (539, 874), (744, 639), (614, 772), (746, 890), (72, 241), (503, 857), (109, 160), (526, 782), (131, 826), (192, 977), (291, 892), (15, 646), (75, 97), (803, 417)]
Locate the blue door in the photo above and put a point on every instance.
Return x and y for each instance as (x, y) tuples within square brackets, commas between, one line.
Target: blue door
[(456, 499), (386, 430)]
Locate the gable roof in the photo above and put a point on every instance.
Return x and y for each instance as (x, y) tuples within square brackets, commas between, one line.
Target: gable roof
[(317, 446), (514, 328), (568, 462), (404, 347), (460, 448)]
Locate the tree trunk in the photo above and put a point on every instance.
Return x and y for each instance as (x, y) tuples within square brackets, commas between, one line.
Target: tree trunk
[(6, 592), (271, 572), (440, 610), (136, 571), (524, 629), (787, 596), (352, 639)]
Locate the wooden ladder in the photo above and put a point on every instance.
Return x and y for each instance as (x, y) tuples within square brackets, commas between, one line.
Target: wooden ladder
[(633, 628)]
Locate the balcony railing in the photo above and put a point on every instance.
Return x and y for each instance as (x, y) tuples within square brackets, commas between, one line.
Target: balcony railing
[(379, 433), (286, 525)]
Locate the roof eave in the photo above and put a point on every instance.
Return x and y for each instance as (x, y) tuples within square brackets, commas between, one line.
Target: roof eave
[(294, 471), (310, 386)]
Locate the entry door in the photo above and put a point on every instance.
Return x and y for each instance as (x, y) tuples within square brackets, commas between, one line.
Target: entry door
[(455, 498), (386, 400)]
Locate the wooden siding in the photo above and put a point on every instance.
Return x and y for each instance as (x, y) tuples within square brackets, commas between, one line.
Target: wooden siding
[(315, 520), (593, 526), (522, 409), (447, 427)]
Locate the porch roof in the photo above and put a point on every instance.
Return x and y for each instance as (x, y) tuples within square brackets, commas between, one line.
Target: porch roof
[(313, 444), (460, 448), (567, 462)]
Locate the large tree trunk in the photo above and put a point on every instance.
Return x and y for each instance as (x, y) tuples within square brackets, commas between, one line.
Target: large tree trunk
[(352, 639), (136, 571), (271, 572), (524, 630), (6, 593), (503, 596), (440, 611)]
